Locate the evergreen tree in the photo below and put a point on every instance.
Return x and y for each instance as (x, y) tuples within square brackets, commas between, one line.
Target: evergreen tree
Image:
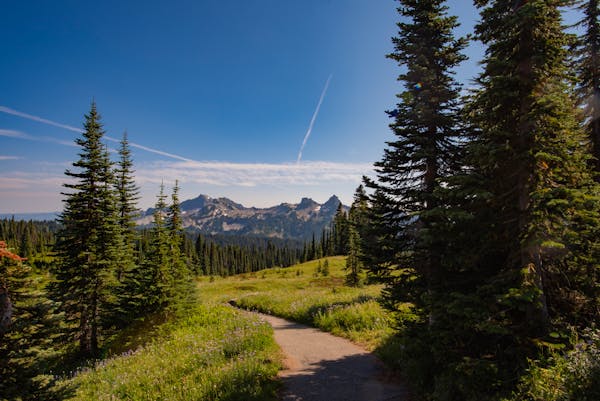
[(89, 240), (588, 74), (26, 344), (181, 287), (407, 208), (340, 231), (158, 280), (356, 226), (528, 207), (127, 202)]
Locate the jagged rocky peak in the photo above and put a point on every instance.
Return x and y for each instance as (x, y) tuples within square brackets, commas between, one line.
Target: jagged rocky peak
[(307, 203), (332, 203), (208, 215)]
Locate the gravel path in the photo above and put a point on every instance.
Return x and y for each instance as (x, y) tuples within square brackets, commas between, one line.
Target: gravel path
[(322, 367)]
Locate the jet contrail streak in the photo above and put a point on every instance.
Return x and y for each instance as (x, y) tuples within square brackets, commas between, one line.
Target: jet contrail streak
[(312, 120), (38, 119), (31, 117)]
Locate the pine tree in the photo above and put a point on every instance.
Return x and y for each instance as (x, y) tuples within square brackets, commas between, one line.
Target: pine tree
[(89, 240)]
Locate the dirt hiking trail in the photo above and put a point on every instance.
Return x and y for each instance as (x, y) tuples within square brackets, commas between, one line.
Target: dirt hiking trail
[(322, 367)]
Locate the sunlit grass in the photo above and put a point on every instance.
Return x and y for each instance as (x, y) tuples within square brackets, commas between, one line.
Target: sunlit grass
[(299, 294), (214, 353)]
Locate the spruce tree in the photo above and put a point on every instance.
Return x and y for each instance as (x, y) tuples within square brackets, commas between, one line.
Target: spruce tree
[(89, 240)]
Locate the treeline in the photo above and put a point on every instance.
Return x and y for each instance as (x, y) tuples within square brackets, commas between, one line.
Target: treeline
[(28, 238), (484, 214), (205, 255)]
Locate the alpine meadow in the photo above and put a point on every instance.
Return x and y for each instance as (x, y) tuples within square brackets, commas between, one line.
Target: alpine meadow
[(465, 265)]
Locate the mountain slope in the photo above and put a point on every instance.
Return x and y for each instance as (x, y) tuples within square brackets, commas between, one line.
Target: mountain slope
[(211, 216)]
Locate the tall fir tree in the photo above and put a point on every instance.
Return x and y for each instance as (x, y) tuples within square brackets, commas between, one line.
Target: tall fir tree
[(406, 205), (89, 240)]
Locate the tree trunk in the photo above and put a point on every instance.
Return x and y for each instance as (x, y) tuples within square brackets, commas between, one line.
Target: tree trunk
[(6, 309)]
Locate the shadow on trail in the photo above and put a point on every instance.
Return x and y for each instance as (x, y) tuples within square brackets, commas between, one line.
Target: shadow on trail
[(352, 378)]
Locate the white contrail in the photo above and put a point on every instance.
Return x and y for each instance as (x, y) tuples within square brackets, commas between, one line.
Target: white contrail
[(17, 113), (38, 119), (312, 120)]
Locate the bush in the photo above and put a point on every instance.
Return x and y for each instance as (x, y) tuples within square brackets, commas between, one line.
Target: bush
[(574, 376)]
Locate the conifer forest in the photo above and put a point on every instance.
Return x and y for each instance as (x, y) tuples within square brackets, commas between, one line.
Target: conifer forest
[(481, 222)]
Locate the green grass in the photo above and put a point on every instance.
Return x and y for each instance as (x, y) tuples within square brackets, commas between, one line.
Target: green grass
[(214, 353), (295, 293)]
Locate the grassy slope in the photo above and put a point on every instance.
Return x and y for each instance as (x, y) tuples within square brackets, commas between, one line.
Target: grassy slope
[(214, 353), (218, 353), (295, 293)]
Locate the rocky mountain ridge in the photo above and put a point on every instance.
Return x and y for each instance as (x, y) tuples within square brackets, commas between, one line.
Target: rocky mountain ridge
[(212, 216)]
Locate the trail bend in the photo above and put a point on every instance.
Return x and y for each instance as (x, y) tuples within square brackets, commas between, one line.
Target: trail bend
[(323, 367)]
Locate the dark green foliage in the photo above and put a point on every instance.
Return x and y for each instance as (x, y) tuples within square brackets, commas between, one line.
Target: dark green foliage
[(325, 269), (29, 238), (530, 171), (588, 74), (492, 237), (89, 241), (357, 223), (27, 348), (127, 197), (339, 232), (407, 210), (182, 286), (405, 242)]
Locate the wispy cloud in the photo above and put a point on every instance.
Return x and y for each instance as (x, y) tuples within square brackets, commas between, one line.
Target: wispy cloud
[(18, 190), (253, 174), (31, 117), (22, 135), (313, 119), (10, 157)]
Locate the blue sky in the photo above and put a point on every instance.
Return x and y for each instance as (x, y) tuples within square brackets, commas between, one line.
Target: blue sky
[(229, 87)]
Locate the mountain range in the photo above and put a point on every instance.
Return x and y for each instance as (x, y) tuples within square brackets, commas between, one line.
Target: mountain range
[(222, 216)]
